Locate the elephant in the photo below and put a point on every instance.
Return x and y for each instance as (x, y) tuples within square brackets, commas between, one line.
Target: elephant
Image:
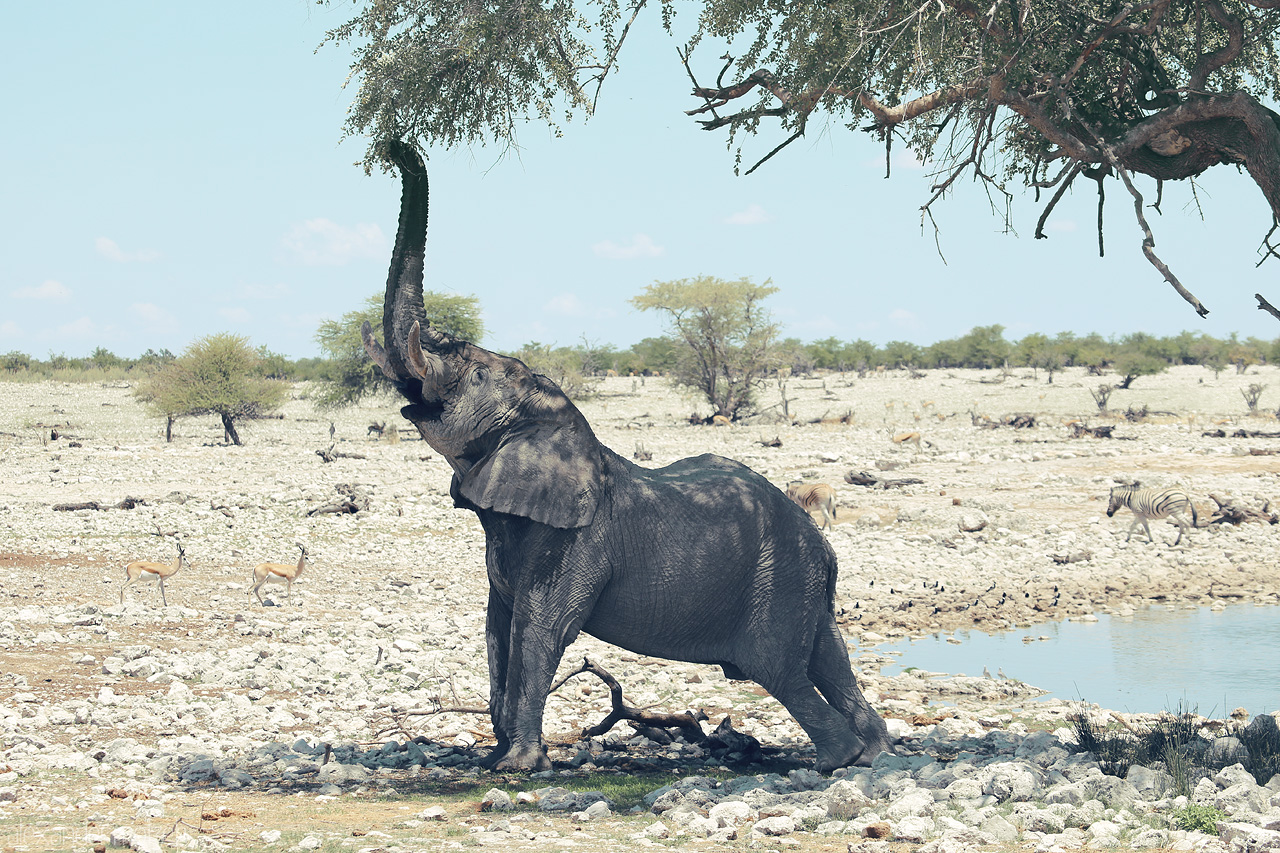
[(703, 561)]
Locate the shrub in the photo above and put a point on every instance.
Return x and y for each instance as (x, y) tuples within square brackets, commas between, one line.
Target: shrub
[(1198, 818)]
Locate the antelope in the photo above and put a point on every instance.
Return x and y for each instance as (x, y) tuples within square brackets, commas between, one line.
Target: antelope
[(905, 437), (815, 496), (144, 570), (721, 420), (278, 573)]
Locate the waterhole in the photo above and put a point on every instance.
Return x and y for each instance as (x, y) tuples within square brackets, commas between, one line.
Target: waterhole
[(1161, 659)]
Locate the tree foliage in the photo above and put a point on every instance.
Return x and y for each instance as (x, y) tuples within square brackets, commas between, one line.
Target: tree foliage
[(726, 333), (349, 375), (218, 374), (1046, 95)]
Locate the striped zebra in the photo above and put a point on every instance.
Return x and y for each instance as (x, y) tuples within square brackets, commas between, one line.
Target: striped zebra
[(1153, 503), (814, 496)]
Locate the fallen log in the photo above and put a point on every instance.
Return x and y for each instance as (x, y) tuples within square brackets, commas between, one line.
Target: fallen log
[(76, 506), (866, 478), (331, 454), (1231, 511), (1079, 430)]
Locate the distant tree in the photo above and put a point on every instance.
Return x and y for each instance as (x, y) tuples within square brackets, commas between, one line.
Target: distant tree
[(792, 354), (901, 354), (1092, 351), (985, 347), (824, 354), (859, 355), (1131, 364), (651, 356), (350, 375), (104, 359), (945, 353), (275, 365), (726, 333), (218, 374), (151, 358), (15, 362)]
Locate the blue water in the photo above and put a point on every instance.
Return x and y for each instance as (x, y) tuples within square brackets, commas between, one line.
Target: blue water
[(1156, 660)]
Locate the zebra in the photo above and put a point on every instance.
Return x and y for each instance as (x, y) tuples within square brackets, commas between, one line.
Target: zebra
[(814, 496), (1153, 503)]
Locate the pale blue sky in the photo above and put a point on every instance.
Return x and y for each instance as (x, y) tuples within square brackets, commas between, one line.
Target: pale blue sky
[(173, 170)]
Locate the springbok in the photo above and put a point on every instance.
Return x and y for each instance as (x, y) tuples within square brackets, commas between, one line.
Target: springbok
[(278, 573), (908, 438), (144, 570)]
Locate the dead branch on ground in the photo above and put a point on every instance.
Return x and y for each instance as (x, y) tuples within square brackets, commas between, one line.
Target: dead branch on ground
[(687, 722), (1231, 511), (331, 454), (866, 478)]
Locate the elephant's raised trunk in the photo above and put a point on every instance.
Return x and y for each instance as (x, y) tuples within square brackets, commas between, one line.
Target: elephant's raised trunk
[(404, 322)]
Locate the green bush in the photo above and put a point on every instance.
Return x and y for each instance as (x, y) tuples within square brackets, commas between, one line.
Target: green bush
[(1197, 818)]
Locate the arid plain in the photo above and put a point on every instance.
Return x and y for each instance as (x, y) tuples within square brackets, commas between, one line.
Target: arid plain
[(105, 707)]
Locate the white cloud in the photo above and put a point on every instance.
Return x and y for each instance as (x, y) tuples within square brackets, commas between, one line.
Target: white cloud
[(235, 315), (566, 305), (1065, 226), (753, 214), (905, 158), (151, 313), (54, 291), (903, 317), (641, 246), (81, 328), (279, 290), (10, 329), (110, 250), (324, 243)]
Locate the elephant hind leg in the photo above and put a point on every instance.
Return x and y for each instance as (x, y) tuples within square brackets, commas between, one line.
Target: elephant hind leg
[(837, 744), (830, 670)]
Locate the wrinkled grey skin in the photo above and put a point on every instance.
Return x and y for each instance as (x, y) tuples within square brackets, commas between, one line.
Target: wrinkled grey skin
[(702, 561)]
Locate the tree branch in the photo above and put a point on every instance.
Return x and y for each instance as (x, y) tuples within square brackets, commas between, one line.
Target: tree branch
[(1148, 239), (1208, 63), (1264, 305)]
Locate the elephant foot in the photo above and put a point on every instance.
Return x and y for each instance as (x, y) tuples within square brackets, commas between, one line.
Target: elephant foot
[(851, 753), (531, 758)]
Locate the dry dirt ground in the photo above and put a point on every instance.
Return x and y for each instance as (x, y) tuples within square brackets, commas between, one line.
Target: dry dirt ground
[(1043, 549)]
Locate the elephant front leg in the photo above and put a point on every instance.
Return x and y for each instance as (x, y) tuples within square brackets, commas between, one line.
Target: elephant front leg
[(498, 643), (540, 632)]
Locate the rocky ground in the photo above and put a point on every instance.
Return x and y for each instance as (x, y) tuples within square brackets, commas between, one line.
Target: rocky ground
[(215, 723)]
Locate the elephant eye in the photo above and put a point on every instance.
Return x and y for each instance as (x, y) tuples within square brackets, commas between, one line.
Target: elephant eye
[(480, 376)]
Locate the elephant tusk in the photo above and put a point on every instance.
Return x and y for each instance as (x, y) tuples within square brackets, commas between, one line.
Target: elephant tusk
[(427, 365)]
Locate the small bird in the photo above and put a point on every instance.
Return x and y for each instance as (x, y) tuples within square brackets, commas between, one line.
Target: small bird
[(1000, 672), (986, 673)]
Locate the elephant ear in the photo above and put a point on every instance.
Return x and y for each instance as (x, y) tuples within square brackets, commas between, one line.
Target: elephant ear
[(547, 471)]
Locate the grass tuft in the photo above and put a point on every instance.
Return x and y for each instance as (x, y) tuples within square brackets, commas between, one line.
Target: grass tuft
[(1175, 745)]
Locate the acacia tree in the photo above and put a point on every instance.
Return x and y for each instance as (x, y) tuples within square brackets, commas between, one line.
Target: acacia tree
[(726, 332), (350, 375), (1042, 93), (218, 374)]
